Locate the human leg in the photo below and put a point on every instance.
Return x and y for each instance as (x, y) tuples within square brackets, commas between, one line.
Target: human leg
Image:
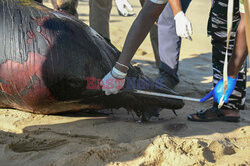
[(169, 45), (237, 99), (218, 31), (99, 14)]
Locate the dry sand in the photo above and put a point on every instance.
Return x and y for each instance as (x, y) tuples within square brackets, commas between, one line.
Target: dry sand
[(82, 139)]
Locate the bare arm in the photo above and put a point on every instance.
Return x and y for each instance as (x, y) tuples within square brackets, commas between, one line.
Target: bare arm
[(240, 50), (140, 28), (176, 6)]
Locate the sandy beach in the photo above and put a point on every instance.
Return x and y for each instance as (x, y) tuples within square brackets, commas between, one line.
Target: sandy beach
[(85, 139)]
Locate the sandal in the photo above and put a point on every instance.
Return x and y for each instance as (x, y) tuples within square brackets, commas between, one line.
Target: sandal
[(212, 114)]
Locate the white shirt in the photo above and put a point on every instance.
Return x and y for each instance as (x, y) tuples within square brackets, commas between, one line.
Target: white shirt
[(159, 1)]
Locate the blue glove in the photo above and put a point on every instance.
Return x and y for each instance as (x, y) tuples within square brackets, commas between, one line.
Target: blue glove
[(218, 91)]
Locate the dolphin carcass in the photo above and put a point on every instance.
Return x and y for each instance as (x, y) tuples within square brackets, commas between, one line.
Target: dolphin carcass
[(51, 62)]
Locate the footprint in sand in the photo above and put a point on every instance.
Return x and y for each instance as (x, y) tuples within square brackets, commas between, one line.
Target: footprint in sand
[(35, 145)]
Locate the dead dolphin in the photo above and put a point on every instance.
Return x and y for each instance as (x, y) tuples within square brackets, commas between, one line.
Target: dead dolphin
[(51, 62)]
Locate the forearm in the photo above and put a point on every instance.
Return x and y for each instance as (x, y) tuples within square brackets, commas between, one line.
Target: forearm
[(139, 30), (176, 6), (240, 50)]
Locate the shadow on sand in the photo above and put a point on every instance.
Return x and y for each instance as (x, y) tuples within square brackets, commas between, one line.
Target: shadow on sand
[(86, 138)]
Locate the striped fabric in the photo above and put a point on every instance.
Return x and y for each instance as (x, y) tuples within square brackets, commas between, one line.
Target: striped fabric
[(217, 28)]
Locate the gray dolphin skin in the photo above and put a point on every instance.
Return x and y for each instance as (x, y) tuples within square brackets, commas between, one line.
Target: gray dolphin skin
[(51, 62)]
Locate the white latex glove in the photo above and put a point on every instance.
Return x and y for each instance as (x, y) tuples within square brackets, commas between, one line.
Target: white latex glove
[(113, 81), (183, 25), (121, 7)]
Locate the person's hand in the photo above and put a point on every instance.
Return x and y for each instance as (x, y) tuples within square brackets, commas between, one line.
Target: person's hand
[(183, 25), (113, 81), (218, 91), (121, 7)]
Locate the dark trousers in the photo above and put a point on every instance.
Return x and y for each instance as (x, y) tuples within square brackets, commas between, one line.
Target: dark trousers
[(169, 43), (217, 28)]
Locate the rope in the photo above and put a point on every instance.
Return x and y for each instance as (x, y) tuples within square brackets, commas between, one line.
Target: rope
[(247, 20), (229, 30)]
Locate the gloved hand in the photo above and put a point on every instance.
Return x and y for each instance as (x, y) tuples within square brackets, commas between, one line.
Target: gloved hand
[(218, 91), (113, 81), (121, 7), (183, 25)]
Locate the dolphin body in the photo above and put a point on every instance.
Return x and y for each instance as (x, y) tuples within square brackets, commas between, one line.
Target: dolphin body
[(51, 62)]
